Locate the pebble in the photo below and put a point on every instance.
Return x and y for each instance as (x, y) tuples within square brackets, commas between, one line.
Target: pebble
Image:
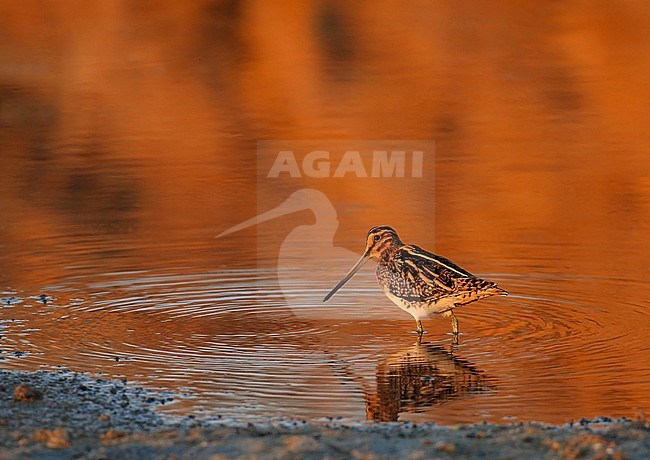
[(54, 439), (24, 392)]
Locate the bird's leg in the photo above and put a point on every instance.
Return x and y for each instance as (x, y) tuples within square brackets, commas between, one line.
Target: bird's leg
[(454, 323), (419, 329)]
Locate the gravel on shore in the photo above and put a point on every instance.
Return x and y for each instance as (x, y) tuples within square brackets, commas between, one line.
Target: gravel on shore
[(63, 414)]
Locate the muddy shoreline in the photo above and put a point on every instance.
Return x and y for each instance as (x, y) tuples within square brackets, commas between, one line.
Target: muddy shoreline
[(62, 414)]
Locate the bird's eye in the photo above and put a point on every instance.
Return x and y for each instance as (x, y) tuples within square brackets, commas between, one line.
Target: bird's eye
[(377, 238)]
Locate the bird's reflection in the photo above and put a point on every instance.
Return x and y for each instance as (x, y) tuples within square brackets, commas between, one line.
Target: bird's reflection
[(423, 375)]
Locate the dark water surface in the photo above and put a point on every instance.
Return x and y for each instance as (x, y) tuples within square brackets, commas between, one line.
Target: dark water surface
[(128, 141)]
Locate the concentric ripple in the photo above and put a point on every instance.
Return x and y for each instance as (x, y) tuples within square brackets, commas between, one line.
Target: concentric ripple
[(239, 345)]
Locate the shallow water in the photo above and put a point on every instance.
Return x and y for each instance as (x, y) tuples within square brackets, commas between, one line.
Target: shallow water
[(229, 341), (127, 149)]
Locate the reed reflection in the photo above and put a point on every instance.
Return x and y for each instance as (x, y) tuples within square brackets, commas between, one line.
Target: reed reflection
[(421, 376)]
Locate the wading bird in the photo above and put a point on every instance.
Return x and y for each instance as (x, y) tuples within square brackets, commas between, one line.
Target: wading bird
[(419, 282)]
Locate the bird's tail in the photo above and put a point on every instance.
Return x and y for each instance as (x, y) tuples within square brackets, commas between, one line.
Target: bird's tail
[(496, 290)]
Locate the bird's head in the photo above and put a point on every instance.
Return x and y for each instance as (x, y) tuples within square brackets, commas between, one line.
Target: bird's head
[(381, 241)]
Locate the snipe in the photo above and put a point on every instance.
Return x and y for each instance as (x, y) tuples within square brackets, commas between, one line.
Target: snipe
[(419, 282)]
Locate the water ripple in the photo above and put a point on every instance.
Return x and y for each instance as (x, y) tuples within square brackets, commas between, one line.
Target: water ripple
[(240, 345)]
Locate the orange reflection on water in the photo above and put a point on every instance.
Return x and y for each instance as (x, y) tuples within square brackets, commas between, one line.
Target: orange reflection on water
[(128, 135)]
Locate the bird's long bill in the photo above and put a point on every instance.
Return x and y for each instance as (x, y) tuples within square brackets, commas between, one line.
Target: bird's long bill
[(346, 278)]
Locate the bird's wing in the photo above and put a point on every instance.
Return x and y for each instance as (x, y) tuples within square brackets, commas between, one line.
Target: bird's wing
[(438, 263), (436, 274)]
